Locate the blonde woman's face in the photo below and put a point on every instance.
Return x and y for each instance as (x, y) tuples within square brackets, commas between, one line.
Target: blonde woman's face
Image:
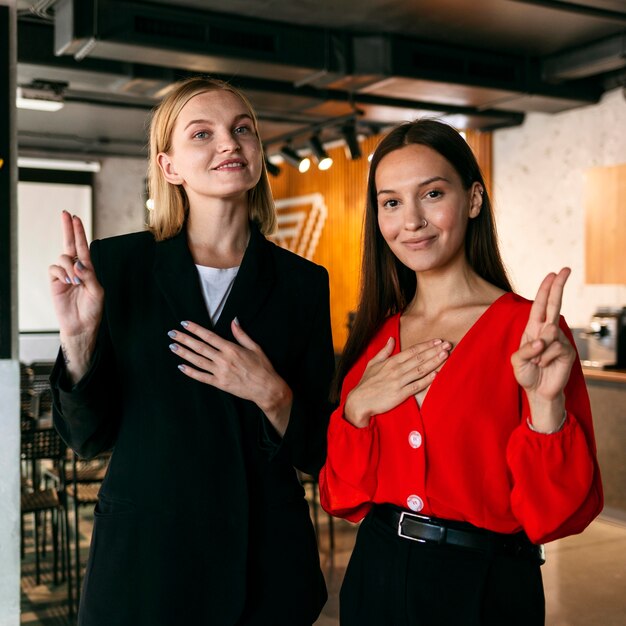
[(215, 151)]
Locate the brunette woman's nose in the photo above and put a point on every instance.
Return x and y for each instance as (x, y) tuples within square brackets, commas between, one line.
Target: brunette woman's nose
[(414, 221)]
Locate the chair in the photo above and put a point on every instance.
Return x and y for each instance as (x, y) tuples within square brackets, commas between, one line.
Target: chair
[(83, 484), (38, 445), (38, 377), (311, 481)]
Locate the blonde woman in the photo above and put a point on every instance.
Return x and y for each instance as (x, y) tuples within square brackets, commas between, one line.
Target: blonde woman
[(201, 354)]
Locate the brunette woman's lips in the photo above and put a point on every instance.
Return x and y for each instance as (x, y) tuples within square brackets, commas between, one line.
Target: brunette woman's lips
[(231, 164), (418, 244)]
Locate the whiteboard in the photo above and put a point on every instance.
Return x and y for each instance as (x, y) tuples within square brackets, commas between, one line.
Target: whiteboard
[(40, 243)]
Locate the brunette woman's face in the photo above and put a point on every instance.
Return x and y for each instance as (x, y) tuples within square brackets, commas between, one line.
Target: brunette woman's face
[(215, 151), (423, 208)]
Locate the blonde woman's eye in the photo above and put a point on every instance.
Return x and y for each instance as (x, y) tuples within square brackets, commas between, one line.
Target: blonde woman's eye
[(242, 130), (201, 134)]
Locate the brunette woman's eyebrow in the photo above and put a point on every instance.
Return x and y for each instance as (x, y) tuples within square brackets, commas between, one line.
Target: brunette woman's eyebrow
[(428, 181)]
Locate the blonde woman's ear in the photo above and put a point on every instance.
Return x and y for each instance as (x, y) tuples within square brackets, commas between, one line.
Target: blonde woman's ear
[(167, 168)]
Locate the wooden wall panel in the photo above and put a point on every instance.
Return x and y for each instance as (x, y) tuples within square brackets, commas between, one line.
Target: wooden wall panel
[(605, 225), (339, 250)]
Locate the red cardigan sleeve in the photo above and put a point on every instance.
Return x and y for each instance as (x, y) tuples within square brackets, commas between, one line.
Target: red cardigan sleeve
[(347, 481), (557, 490)]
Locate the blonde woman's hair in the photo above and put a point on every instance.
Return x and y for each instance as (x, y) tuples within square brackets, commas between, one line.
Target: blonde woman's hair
[(170, 202)]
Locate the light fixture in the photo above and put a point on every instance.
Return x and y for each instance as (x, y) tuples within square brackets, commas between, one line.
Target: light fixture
[(41, 95), (294, 159), (321, 156), (353, 149), (271, 168)]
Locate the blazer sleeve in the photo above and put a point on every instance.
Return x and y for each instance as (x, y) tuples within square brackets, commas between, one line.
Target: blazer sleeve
[(305, 437), (86, 414), (557, 490)]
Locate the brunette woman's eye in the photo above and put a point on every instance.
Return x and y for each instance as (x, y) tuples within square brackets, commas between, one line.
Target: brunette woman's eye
[(434, 193), (390, 204)]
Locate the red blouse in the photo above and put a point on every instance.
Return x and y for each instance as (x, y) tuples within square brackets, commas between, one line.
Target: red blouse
[(468, 454)]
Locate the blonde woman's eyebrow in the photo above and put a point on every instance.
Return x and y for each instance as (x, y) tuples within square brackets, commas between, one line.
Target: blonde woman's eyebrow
[(211, 123)]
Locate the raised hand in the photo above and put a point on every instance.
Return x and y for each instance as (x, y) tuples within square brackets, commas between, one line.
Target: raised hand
[(389, 380), (241, 369), (77, 297), (544, 360)]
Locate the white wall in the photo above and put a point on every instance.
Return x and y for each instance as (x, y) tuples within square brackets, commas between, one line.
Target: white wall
[(539, 182), (119, 199)]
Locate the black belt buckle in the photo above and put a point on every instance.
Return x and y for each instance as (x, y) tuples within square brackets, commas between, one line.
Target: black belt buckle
[(429, 531)]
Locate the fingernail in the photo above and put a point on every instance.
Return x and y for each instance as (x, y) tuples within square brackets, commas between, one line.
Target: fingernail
[(447, 345), (77, 280), (236, 320), (184, 324), (181, 368), (68, 280), (80, 266), (436, 342), (537, 343), (443, 353), (172, 334), (173, 347)]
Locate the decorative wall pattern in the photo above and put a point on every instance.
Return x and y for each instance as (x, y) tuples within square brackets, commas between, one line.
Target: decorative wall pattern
[(538, 187), (300, 223)]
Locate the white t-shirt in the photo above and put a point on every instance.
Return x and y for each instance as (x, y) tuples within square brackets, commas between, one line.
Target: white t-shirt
[(216, 285)]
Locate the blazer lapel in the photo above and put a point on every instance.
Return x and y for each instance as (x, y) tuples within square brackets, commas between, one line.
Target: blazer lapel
[(252, 285), (177, 277)]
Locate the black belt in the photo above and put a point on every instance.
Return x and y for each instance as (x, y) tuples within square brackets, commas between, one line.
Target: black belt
[(431, 530)]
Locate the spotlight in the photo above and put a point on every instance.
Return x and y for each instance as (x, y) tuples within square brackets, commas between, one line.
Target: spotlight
[(321, 156), (353, 149), (272, 168), (294, 159)]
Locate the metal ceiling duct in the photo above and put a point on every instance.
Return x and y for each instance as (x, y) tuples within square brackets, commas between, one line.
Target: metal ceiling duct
[(400, 67), (601, 56), (196, 41)]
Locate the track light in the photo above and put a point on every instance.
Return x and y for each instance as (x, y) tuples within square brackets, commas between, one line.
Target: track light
[(294, 159), (272, 168), (353, 149), (321, 156)]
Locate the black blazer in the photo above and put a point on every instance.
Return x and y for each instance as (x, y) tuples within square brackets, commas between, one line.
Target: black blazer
[(201, 518)]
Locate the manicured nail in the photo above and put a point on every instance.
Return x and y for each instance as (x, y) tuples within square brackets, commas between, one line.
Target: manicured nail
[(173, 347), (172, 334), (68, 280), (80, 266), (77, 280), (184, 324), (236, 320), (447, 345), (436, 342), (443, 354), (181, 368)]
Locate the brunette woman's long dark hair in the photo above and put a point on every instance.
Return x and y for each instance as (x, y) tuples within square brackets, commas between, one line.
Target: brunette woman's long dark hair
[(388, 286)]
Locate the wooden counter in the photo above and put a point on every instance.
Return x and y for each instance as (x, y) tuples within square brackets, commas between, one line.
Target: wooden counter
[(612, 376)]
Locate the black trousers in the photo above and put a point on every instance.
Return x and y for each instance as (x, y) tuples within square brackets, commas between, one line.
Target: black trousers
[(393, 581)]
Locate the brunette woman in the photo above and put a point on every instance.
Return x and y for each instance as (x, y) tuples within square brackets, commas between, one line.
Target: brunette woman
[(463, 438), (201, 354)]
